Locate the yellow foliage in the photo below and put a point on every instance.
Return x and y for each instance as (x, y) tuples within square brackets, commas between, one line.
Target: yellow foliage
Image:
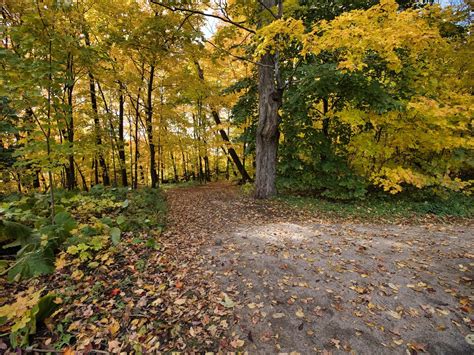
[(381, 29), (278, 35), (20, 311)]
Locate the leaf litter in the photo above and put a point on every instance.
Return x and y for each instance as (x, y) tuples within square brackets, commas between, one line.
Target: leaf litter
[(236, 274)]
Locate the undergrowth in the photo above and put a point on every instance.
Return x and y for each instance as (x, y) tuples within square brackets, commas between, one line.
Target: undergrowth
[(381, 206), (81, 238)]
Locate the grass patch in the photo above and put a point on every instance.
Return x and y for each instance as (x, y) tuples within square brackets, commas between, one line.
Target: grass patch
[(385, 207), (184, 184)]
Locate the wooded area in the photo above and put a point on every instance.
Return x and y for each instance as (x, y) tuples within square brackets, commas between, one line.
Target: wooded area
[(355, 96), (109, 107)]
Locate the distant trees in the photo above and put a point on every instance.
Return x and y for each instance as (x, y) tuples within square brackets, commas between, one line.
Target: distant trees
[(93, 91), (334, 98)]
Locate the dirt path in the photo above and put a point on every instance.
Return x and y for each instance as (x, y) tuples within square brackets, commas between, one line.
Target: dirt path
[(300, 283)]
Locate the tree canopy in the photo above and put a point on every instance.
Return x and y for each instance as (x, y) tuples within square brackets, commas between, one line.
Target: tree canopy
[(353, 96)]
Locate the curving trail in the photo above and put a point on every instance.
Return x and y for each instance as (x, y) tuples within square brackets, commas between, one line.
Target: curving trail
[(298, 282)]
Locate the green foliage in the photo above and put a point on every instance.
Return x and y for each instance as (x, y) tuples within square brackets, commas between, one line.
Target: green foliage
[(357, 117), (74, 245), (32, 263), (27, 228), (115, 234), (146, 210), (381, 207), (18, 232), (248, 188)]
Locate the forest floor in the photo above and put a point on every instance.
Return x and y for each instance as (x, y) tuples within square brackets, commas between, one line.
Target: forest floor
[(293, 280)]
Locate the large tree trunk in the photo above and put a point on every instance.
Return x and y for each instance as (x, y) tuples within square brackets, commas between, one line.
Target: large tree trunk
[(149, 129), (270, 99), (121, 141), (267, 131)]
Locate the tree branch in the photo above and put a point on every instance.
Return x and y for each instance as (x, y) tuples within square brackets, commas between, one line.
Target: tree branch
[(198, 12), (236, 56), (268, 9)]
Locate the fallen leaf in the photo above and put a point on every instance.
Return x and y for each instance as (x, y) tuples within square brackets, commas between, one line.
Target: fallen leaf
[(278, 315), (180, 301), (237, 343), (299, 313), (228, 303), (336, 343), (394, 314), (114, 327)]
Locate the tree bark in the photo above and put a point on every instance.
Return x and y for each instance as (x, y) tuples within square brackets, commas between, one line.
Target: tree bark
[(225, 137), (270, 100), (121, 141), (175, 168), (69, 88), (267, 130), (137, 148), (233, 154), (149, 129), (98, 139), (84, 182)]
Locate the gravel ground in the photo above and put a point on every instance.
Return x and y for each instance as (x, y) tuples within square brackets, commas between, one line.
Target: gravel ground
[(305, 284)]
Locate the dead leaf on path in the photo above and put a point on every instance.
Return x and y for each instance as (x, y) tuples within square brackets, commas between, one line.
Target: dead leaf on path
[(180, 301), (228, 303), (336, 343), (417, 347), (114, 346), (77, 275), (299, 313), (278, 315), (443, 312), (393, 287), (266, 336), (397, 341), (237, 343), (394, 314), (360, 290), (318, 311), (114, 327)]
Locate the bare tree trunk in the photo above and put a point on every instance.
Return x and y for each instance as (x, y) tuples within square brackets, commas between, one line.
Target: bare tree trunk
[(149, 129), (135, 138), (175, 168), (98, 138), (233, 154), (84, 183), (69, 132), (207, 168), (137, 145), (185, 165), (225, 137), (130, 146), (121, 141)]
